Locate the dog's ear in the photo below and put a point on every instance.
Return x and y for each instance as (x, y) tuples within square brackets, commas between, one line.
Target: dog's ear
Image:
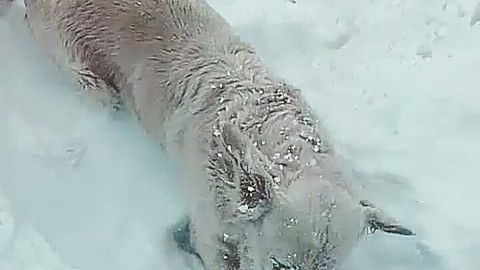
[(239, 177), (376, 219)]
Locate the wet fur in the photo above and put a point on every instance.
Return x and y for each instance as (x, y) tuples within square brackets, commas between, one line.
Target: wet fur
[(255, 155)]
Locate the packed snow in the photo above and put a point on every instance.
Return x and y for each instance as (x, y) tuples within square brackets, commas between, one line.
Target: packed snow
[(394, 81)]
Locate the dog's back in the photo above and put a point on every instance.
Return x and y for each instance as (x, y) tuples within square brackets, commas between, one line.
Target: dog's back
[(128, 46)]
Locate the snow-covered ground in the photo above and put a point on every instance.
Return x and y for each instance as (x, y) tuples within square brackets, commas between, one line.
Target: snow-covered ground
[(395, 82)]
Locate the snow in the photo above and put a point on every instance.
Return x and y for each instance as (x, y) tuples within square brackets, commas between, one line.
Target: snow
[(395, 82)]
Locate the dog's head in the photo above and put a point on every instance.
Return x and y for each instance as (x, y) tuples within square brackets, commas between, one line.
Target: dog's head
[(311, 224), (314, 227), (318, 225)]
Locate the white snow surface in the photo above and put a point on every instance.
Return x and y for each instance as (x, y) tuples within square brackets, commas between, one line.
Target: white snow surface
[(396, 83)]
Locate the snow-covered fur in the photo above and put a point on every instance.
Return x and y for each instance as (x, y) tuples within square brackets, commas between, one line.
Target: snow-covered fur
[(263, 184)]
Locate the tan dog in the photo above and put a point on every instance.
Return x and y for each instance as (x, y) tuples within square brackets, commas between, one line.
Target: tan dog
[(263, 184)]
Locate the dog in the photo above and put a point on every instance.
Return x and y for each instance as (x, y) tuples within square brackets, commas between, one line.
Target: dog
[(264, 186)]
